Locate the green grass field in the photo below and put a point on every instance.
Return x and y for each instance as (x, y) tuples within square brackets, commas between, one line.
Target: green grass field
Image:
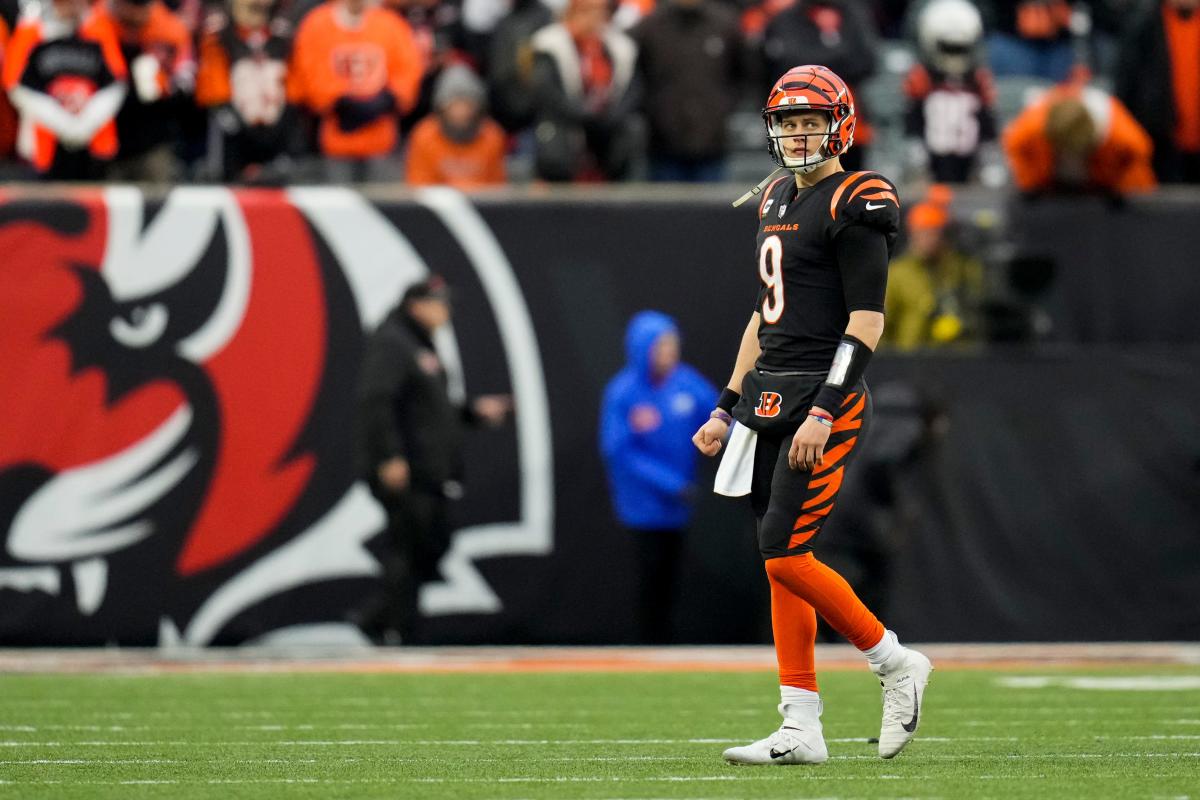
[(590, 735)]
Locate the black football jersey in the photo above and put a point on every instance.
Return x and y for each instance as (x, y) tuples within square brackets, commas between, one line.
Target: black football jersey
[(801, 300), (69, 68)]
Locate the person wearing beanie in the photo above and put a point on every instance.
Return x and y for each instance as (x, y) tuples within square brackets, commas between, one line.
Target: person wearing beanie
[(458, 144), (935, 290)]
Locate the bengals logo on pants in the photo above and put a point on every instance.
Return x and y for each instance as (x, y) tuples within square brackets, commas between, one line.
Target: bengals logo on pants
[(769, 404)]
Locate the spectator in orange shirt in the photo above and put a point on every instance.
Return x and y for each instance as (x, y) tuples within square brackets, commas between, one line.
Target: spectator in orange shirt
[(1158, 78), (357, 67), (1079, 140), (66, 78), (162, 69), (458, 145), (246, 83)]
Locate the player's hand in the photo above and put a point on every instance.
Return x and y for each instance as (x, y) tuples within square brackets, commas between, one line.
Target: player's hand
[(394, 474), (808, 445), (710, 436), (492, 409)]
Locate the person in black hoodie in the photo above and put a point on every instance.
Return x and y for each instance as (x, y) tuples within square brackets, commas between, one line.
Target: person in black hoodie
[(410, 442), (510, 64), (692, 61)]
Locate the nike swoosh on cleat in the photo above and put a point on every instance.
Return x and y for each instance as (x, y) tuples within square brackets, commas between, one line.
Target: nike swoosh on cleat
[(777, 754), (911, 725)]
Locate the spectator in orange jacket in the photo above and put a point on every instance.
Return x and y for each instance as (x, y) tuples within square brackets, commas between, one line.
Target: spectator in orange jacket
[(162, 69), (357, 67), (246, 83), (66, 78), (458, 145), (1079, 139)]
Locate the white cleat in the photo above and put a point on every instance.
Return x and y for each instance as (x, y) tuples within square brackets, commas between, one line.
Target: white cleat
[(788, 745), (903, 693)]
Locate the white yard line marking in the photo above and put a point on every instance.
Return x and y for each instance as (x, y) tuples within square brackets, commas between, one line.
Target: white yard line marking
[(85, 761), (793, 775), (1127, 683), (517, 742)]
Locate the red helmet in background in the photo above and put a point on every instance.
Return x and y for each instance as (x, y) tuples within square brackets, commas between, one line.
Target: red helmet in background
[(810, 88)]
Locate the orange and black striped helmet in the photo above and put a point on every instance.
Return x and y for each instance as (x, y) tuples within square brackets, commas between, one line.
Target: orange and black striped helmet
[(811, 87)]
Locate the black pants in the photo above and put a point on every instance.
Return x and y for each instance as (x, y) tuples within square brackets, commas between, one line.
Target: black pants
[(416, 538), (659, 559), (792, 506)]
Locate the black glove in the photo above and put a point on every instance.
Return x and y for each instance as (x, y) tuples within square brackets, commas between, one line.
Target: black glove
[(353, 113)]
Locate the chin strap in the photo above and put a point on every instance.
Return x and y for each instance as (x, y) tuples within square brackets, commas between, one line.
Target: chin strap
[(758, 189)]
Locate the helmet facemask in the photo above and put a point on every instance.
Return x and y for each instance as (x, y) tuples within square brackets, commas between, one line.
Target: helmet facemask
[(791, 129)]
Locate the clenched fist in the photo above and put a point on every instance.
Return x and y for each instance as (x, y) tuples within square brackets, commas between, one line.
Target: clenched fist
[(710, 436)]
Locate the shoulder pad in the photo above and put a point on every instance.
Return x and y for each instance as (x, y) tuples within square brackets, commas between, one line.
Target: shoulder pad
[(866, 198)]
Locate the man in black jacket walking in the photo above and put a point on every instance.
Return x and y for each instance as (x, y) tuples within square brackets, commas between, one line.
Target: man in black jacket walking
[(411, 436)]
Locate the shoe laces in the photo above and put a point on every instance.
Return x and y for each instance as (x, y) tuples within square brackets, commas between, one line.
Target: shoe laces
[(898, 701)]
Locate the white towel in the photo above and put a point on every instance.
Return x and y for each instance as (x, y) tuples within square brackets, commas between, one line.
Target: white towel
[(737, 464)]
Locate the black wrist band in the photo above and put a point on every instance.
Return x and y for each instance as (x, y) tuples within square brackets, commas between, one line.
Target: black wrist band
[(728, 399), (849, 364)]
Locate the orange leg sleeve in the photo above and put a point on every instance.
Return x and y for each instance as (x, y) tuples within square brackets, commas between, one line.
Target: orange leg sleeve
[(794, 623), (828, 593)]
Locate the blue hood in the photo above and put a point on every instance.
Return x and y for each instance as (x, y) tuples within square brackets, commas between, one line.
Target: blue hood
[(643, 331), (646, 429)]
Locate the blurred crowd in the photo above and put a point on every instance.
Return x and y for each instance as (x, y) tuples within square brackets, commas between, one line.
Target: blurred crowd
[(475, 93)]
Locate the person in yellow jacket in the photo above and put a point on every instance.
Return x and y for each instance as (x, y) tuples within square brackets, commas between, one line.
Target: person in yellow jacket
[(934, 290)]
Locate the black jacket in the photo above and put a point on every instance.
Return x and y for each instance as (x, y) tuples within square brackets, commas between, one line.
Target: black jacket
[(567, 128), (1144, 83), (691, 61), (404, 409), (510, 64), (792, 38)]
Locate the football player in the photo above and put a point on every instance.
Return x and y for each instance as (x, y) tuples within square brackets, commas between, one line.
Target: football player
[(802, 407)]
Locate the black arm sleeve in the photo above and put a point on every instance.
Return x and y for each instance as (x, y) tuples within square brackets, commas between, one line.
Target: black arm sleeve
[(862, 257)]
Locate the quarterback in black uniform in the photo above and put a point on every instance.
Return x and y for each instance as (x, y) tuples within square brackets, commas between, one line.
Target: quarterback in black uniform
[(801, 405)]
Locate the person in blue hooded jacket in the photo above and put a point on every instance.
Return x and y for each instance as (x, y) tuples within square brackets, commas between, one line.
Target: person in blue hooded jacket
[(649, 412)]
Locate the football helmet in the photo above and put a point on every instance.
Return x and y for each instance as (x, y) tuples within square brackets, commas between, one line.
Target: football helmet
[(949, 32), (809, 88)]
